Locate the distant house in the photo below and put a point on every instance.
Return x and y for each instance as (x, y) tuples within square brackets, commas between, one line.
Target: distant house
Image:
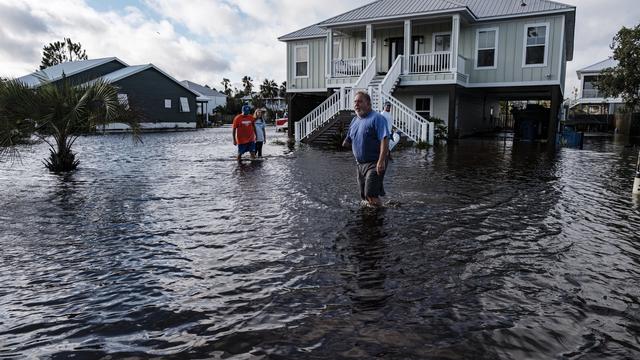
[(278, 103), (453, 60), (591, 110), (164, 101), (211, 98)]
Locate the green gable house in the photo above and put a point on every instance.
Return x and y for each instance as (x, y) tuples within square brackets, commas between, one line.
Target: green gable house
[(451, 60), (164, 102)]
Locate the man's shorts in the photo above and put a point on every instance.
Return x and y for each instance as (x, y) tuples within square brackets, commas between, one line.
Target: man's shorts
[(369, 181), (243, 148)]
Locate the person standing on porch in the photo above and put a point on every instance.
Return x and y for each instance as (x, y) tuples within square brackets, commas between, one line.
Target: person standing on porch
[(244, 133), (261, 132), (369, 139)]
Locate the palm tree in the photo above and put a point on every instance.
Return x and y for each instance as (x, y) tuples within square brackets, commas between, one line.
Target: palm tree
[(57, 114), (247, 83)]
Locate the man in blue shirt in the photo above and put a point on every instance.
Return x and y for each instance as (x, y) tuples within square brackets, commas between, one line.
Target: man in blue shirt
[(369, 139)]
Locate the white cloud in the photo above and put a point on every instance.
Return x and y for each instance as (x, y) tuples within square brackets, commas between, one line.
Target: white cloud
[(206, 40)]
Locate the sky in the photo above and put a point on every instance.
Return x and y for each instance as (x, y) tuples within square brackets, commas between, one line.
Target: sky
[(207, 40)]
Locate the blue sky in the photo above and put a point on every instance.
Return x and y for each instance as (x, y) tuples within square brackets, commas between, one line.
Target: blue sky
[(207, 40)]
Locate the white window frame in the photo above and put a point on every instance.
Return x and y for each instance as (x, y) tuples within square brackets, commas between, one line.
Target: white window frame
[(546, 45), (167, 103), (339, 53), (495, 51), (184, 105), (295, 62), (433, 40), (415, 103), (123, 99)]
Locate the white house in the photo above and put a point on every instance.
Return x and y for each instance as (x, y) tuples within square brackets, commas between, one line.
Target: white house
[(211, 98), (454, 60)]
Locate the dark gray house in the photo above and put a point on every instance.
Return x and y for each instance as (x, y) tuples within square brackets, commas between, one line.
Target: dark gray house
[(164, 101)]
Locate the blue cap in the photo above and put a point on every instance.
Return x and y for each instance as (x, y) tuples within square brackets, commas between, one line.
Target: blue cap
[(246, 109)]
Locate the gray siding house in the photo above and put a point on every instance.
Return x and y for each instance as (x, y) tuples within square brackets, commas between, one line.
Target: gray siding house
[(452, 60), (165, 102)]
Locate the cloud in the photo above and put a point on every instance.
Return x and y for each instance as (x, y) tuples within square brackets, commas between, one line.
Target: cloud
[(207, 40)]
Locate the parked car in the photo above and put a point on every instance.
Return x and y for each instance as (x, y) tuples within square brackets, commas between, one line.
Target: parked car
[(282, 124)]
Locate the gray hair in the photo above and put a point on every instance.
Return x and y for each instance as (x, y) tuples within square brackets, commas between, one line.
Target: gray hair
[(364, 94)]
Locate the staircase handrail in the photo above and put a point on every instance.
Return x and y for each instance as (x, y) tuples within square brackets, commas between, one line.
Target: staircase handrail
[(367, 75), (318, 116), (392, 76), (409, 122)]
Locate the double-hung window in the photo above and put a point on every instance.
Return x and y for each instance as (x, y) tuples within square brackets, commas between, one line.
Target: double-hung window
[(486, 48), (423, 106), (184, 104), (301, 60), (536, 40)]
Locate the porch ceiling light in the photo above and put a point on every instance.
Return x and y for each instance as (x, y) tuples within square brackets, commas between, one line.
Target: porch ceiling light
[(386, 42), (523, 3)]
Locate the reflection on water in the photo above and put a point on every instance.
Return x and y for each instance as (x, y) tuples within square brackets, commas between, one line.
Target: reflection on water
[(171, 249)]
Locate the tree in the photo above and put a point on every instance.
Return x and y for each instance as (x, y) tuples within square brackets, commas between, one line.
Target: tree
[(61, 51), (283, 89), (57, 114), (226, 83), (624, 79), (268, 89), (247, 83)]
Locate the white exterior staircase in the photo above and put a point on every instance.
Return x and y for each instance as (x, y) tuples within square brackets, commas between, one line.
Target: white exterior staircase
[(414, 126)]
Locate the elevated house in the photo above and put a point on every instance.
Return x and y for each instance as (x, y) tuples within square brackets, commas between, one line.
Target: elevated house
[(592, 110), (164, 101), (452, 60)]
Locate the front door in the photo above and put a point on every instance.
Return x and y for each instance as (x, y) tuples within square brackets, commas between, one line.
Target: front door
[(396, 48)]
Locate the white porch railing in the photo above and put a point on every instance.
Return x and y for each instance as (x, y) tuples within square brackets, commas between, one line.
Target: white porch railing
[(409, 122), (367, 75), (434, 62), (319, 116), (386, 86), (348, 67)]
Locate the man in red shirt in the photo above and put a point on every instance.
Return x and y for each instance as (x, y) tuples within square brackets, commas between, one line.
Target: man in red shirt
[(244, 133)]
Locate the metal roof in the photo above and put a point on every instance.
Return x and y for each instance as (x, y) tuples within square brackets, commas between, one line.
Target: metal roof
[(312, 31), (131, 70), (478, 10), (203, 90), (599, 66), (69, 68)]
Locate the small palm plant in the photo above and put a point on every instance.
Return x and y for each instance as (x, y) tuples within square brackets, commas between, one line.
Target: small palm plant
[(57, 113)]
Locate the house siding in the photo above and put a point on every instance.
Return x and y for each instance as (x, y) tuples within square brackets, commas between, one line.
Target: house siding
[(439, 108), (316, 79), (147, 91), (510, 51)]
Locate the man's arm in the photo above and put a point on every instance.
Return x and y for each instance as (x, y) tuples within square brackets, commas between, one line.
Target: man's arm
[(382, 156), (234, 137)]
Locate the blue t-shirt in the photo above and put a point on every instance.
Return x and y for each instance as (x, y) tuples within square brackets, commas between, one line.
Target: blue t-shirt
[(366, 134)]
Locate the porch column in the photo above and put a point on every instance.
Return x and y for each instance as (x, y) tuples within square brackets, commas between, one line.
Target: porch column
[(407, 46), (369, 39), (455, 34), (329, 52)]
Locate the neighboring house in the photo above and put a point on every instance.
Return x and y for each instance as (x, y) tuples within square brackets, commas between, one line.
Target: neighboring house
[(164, 102), (454, 60), (210, 98), (276, 104), (591, 110)]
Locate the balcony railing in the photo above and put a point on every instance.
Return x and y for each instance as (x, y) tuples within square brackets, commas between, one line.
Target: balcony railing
[(348, 67), (434, 62), (591, 93)]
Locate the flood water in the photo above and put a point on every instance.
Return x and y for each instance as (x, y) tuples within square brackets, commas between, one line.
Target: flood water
[(170, 249)]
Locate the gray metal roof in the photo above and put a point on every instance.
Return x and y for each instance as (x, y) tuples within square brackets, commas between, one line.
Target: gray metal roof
[(131, 70), (312, 31), (55, 72), (599, 66), (203, 90), (478, 10)]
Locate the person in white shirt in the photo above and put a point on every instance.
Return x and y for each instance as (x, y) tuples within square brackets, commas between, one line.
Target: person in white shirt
[(395, 136), (261, 133)]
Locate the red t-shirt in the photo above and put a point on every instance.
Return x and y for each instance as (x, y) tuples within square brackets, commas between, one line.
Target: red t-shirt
[(244, 128)]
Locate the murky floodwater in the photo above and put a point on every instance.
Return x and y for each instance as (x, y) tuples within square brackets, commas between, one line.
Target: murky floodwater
[(171, 249)]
